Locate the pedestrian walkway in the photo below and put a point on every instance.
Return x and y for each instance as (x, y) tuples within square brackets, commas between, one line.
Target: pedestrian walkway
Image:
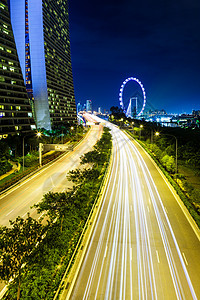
[(15, 168)]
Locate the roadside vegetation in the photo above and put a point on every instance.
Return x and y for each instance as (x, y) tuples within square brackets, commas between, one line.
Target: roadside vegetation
[(11, 150), (162, 148), (35, 254)]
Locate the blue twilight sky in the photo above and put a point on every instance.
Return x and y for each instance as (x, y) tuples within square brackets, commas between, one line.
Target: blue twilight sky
[(156, 41)]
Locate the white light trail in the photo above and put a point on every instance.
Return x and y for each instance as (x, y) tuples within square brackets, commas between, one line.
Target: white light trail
[(125, 252), (171, 263)]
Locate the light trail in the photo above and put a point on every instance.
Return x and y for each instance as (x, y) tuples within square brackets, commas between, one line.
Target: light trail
[(126, 261), (171, 262), (100, 241), (142, 231)]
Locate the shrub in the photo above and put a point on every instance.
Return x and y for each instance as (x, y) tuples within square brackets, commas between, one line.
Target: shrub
[(5, 166)]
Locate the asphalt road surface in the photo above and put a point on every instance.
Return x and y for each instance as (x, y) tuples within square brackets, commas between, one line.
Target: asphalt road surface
[(17, 201), (144, 245)]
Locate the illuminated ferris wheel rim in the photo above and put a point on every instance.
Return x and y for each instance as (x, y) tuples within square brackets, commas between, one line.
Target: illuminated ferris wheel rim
[(122, 89)]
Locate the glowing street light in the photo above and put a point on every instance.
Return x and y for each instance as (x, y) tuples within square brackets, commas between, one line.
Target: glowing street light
[(39, 134), (141, 126)]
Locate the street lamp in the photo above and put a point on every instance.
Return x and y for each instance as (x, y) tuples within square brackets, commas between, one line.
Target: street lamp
[(23, 152), (132, 123), (157, 134), (39, 134), (141, 126)]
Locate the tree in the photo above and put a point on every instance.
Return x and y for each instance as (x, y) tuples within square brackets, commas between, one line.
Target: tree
[(156, 150), (17, 244), (4, 150), (94, 157), (169, 163), (55, 205), (117, 112), (79, 176)]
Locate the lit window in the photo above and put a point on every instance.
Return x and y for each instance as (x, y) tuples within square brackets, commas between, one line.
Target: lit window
[(2, 114)]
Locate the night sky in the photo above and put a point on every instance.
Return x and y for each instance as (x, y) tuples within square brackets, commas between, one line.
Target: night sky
[(156, 41)]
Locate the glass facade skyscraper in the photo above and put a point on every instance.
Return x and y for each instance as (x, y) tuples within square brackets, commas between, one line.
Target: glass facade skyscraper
[(43, 45), (15, 109)]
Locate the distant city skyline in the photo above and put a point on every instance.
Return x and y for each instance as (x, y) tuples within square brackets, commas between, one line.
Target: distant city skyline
[(156, 42)]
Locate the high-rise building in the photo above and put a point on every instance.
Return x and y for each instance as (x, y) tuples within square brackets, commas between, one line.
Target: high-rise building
[(41, 31), (79, 107), (89, 106), (15, 109)]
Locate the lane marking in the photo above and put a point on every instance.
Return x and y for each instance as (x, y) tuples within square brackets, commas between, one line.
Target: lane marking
[(105, 251), (41, 216), (185, 259), (131, 254), (157, 256), (9, 212)]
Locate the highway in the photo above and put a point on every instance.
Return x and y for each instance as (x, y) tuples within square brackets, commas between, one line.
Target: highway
[(144, 244), (17, 201)]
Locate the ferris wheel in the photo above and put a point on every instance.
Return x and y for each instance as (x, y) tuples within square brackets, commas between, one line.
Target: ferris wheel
[(132, 106)]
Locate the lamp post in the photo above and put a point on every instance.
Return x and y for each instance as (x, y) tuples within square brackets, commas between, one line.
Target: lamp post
[(157, 134), (141, 126), (71, 128), (38, 134), (132, 123)]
